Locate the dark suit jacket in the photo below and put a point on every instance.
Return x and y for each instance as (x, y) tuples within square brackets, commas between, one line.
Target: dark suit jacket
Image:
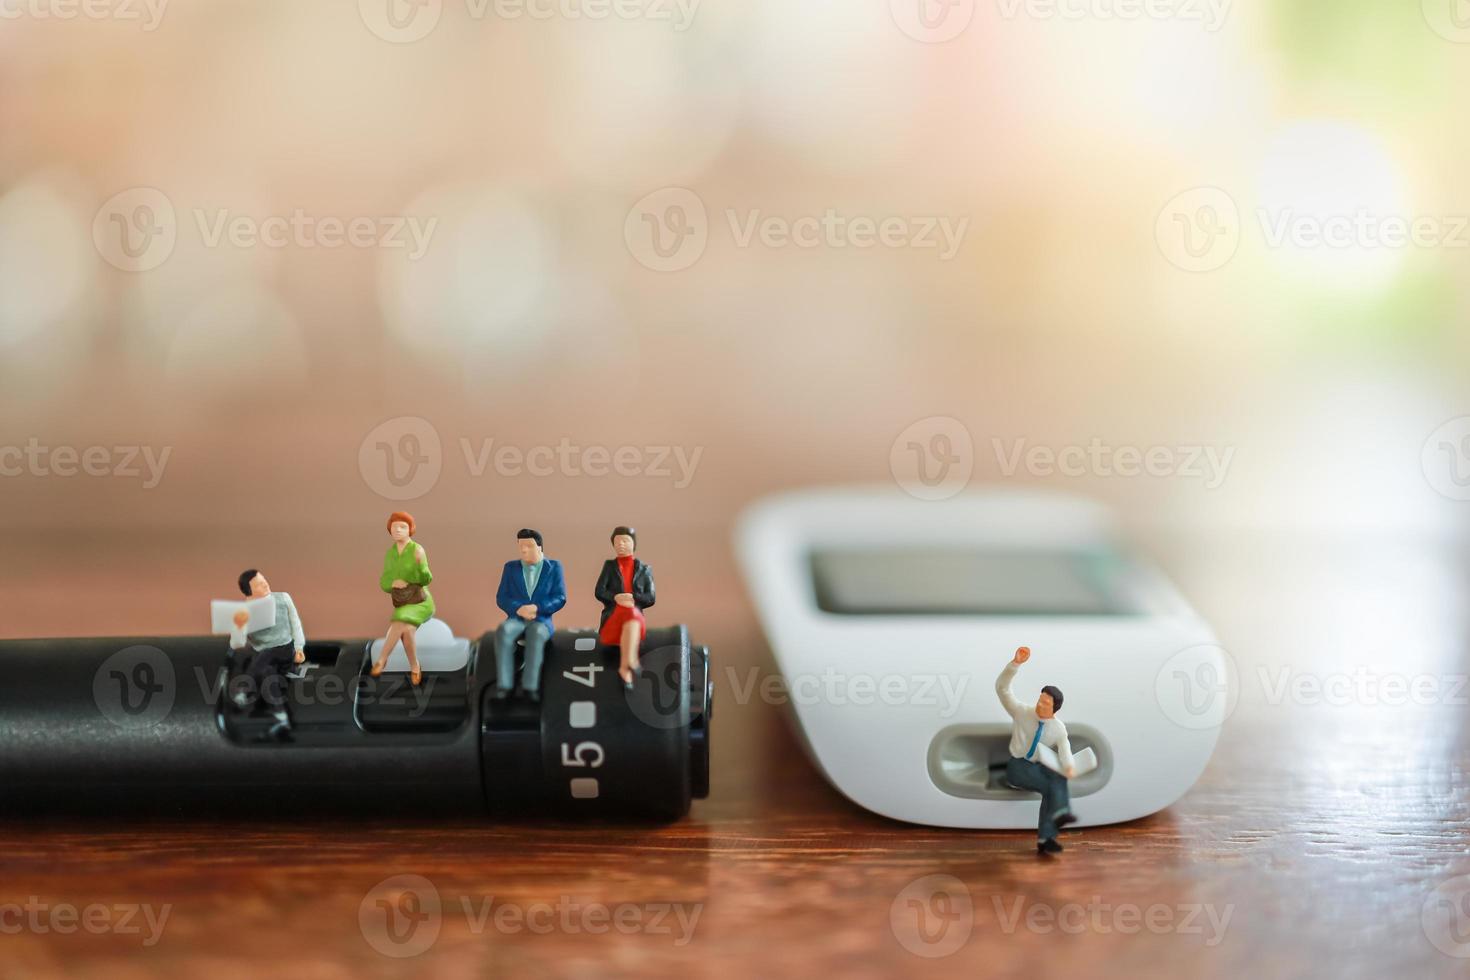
[(551, 591), (610, 583)]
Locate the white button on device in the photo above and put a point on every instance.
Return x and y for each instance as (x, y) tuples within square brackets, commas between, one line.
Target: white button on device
[(439, 650), (585, 643), (582, 714), (584, 788)]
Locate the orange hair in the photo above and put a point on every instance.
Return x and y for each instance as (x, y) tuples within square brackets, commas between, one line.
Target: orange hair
[(399, 515)]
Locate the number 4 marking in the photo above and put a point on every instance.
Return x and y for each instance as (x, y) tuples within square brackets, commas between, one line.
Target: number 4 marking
[(575, 674)]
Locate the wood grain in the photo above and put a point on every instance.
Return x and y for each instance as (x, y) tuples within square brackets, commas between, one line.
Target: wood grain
[(1320, 830)]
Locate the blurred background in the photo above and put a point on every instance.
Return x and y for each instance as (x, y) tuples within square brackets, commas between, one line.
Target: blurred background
[(269, 270)]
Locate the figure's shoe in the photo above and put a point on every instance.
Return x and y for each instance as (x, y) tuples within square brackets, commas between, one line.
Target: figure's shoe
[(1047, 848), (377, 670), (416, 676), (530, 695), (627, 675), (501, 693), (280, 731), (1065, 819)]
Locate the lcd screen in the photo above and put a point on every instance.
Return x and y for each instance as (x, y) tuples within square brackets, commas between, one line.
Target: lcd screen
[(868, 582)]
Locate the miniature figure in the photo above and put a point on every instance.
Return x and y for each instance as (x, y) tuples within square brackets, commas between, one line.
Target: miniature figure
[(625, 589), (276, 648), (1032, 727), (532, 590), (405, 577)]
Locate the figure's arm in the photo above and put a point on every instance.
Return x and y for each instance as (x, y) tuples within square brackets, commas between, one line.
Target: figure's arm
[(556, 590), (298, 633), (420, 574), (1064, 752), (503, 599), (1003, 684), (604, 593), (237, 635), (385, 581), (644, 598)]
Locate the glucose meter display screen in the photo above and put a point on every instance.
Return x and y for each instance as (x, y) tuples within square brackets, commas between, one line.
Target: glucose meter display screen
[(968, 582)]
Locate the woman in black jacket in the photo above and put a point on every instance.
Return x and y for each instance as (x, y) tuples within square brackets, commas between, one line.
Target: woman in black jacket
[(625, 589)]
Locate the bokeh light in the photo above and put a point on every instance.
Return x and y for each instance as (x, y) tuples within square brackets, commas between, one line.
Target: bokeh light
[(1342, 182), (46, 258)]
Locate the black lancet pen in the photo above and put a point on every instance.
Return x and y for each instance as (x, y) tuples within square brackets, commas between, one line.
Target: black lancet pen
[(95, 727)]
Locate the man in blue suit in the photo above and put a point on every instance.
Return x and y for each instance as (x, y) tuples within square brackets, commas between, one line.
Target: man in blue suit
[(532, 590)]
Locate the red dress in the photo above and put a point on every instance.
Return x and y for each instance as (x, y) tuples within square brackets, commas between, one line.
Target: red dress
[(612, 630)]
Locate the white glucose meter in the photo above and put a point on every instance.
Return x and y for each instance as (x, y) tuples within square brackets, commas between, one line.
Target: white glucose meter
[(891, 619)]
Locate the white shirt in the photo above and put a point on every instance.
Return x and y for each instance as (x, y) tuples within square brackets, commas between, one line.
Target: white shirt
[(287, 629), (1024, 722)]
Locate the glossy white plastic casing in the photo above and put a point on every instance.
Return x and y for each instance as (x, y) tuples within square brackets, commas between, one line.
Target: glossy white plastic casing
[(1133, 682)]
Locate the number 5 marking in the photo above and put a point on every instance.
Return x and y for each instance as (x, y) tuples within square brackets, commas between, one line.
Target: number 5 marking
[(588, 754)]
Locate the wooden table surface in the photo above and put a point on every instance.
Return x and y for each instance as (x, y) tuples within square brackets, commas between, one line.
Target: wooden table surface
[(1313, 845)]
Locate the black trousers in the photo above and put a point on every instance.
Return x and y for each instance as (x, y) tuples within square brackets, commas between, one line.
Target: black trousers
[(1056, 798), (268, 672)]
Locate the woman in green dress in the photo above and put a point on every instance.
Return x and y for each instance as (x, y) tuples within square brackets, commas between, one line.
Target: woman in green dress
[(405, 575)]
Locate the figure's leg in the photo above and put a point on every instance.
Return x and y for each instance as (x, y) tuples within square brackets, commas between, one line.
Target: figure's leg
[(536, 636), (243, 687), (272, 678), (632, 638), (395, 630), (256, 671), (410, 647), (270, 669), (1061, 800), (1046, 826), (628, 648), (505, 654), (1023, 775)]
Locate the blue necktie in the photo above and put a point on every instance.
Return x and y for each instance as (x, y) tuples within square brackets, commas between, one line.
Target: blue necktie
[(1037, 740)]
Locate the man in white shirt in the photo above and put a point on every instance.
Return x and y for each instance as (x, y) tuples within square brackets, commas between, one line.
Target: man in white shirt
[(1031, 727)]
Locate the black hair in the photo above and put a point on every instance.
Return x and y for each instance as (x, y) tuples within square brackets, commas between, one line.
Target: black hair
[(1056, 697), (245, 579), (623, 529), (526, 532)]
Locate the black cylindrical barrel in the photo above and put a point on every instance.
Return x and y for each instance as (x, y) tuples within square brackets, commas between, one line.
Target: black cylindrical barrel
[(597, 745), (98, 726)]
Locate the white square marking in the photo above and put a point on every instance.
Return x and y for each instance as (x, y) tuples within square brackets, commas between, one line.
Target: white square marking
[(582, 714), (585, 643), (584, 788)]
